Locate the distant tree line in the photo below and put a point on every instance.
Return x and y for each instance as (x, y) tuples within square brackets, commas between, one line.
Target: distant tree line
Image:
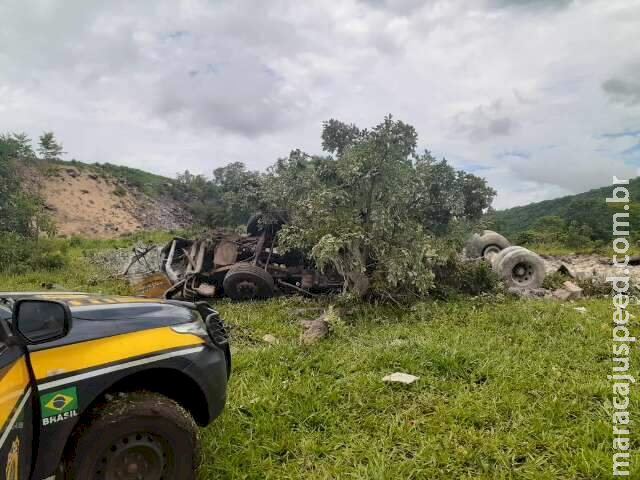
[(576, 221)]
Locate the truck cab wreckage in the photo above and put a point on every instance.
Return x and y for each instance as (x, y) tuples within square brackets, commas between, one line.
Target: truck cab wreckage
[(241, 267)]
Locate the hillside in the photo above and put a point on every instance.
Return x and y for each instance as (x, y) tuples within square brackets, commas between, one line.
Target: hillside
[(103, 201), (588, 208)]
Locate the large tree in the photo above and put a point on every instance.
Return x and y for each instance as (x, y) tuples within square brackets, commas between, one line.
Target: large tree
[(371, 207)]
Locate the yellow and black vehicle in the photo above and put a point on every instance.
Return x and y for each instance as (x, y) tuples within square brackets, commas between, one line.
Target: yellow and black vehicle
[(97, 387)]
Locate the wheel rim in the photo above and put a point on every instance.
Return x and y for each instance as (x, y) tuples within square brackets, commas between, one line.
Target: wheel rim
[(490, 251), (247, 290), (139, 456), (522, 273)]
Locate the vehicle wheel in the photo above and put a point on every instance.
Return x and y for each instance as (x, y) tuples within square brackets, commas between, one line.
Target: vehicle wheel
[(522, 269), (138, 435), (484, 244), (495, 261), (256, 226), (244, 281)]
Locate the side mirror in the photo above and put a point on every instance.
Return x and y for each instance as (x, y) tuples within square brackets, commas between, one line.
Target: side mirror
[(40, 321)]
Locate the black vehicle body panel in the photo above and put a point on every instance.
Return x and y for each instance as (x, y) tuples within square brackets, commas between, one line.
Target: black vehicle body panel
[(203, 365)]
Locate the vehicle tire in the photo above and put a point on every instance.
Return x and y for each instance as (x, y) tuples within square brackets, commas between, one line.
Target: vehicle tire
[(142, 435), (495, 261), (522, 269), (244, 281), (489, 241), (255, 225)]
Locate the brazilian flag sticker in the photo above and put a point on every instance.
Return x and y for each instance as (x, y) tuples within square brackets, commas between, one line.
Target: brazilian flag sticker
[(59, 403)]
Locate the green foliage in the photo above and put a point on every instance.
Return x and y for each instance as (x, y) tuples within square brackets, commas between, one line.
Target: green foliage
[(586, 219), (49, 148), (488, 393), (554, 230), (497, 396), (120, 191), (454, 276), (371, 208), (21, 212), (19, 254), (149, 183), (226, 200), (554, 280)]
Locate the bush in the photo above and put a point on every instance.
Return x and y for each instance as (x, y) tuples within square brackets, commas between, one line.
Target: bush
[(19, 254), (120, 191), (553, 281), (453, 276)]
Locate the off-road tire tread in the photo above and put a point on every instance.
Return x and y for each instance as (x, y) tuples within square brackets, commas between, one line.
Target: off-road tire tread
[(118, 407)]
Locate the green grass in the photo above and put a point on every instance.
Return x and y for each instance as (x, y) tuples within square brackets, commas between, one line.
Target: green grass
[(78, 274), (508, 388), (149, 183), (516, 389)]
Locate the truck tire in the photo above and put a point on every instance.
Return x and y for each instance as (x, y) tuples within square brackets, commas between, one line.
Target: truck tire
[(489, 241), (256, 226), (522, 269), (141, 435), (495, 261), (244, 281)]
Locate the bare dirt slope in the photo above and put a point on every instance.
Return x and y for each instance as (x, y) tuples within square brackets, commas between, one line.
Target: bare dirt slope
[(86, 204)]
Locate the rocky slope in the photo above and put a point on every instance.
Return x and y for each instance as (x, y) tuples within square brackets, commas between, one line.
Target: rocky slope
[(93, 204)]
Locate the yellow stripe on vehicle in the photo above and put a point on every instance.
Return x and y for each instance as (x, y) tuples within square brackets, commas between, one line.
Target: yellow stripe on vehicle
[(82, 299), (94, 353), (14, 379)]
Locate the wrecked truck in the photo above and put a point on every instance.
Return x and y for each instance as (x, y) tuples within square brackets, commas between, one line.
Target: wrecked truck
[(241, 267)]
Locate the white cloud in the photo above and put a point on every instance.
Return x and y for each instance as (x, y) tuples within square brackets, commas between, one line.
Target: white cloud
[(519, 91)]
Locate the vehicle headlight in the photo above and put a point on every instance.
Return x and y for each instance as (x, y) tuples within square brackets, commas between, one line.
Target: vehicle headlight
[(194, 328)]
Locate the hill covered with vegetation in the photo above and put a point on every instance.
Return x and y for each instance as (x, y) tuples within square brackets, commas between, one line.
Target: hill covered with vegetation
[(580, 220)]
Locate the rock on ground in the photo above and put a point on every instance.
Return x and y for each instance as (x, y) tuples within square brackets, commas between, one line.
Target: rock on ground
[(314, 330), (270, 339), (399, 377)]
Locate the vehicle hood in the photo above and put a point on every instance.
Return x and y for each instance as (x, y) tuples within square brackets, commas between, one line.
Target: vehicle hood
[(99, 316)]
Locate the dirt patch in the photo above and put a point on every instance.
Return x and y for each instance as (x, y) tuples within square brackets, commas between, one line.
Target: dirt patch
[(86, 204)]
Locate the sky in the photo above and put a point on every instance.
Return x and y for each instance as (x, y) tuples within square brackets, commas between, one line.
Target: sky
[(542, 98)]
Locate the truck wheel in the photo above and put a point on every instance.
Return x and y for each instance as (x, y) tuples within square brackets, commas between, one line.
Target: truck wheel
[(256, 225), (244, 281), (485, 244), (522, 269), (139, 435), (495, 261)]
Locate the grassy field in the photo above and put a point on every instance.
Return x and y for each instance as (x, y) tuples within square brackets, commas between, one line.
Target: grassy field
[(514, 389), (508, 388)]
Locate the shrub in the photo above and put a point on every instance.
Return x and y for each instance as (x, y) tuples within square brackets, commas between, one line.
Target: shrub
[(453, 275), (119, 191), (19, 254)]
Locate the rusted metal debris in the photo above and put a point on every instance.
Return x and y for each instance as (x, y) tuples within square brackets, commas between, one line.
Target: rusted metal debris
[(241, 267)]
